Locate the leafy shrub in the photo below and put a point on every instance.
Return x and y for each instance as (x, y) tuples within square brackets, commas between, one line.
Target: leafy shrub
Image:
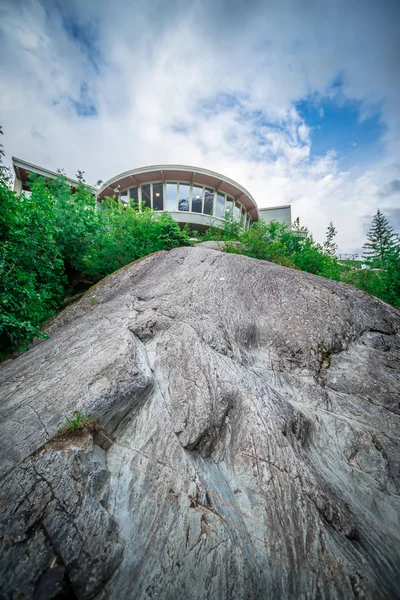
[(276, 242), (56, 237), (32, 277), (126, 235)]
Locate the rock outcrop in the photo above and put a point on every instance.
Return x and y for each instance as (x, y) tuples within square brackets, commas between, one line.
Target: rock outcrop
[(248, 446)]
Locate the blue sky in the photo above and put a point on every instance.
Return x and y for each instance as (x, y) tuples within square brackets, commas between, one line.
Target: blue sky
[(296, 100), (339, 126)]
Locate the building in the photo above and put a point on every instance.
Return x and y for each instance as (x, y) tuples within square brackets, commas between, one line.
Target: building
[(193, 196)]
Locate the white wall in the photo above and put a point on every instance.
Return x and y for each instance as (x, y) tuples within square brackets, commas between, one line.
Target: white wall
[(283, 214)]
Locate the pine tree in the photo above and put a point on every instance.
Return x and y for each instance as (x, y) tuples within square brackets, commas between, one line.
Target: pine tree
[(330, 246), (381, 240)]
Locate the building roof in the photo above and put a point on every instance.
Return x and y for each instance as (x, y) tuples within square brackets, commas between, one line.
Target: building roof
[(23, 169)]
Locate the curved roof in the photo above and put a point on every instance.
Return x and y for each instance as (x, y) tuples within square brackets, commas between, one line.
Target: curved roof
[(136, 177)]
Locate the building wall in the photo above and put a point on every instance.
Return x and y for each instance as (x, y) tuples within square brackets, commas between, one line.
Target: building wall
[(282, 214), (17, 186)]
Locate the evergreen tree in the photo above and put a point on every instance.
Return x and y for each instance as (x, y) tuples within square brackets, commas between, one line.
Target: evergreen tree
[(381, 240), (330, 247)]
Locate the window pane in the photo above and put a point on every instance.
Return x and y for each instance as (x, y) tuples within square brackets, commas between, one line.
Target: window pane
[(171, 193), (228, 207), (184, 196), (208, 201), (197, 199), (243, 218), (236, 212), (124, 196), (134, 192), (158, 196), (219, 206), (146, 195)]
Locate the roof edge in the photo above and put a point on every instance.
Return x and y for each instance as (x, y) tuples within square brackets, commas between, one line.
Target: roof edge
[(177, 167), (42, 172)]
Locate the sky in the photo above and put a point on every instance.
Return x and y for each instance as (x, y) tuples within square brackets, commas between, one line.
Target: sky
[(297, 100)]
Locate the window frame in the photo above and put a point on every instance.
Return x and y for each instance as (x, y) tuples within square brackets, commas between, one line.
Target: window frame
[(203, 187)]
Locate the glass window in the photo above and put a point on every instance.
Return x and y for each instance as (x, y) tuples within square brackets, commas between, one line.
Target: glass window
[(208, 201), (243, 218), (236, 212), (158, 196), (124, 196), (134, 193), (184, 196), (146, 201), (219, 206), (197, 199), (228, 207), (170, 196)]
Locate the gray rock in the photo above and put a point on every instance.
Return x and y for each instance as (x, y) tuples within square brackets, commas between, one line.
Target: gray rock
[(249, 443)]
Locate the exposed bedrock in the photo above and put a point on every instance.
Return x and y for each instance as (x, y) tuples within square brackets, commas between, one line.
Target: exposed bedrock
[(249, 441)]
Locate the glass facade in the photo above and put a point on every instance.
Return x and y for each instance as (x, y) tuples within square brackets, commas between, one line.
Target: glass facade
[(228, 207), (208, 201), (197, 199), (158, 196), (171, 194), (182, 196), (134, 195), (220, 206), (146, 195)]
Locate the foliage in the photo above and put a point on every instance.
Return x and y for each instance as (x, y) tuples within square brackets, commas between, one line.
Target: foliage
[(78, 422), (126, 234), (330, 247), (78, 222), (78, 425), (381, 240), (32, 277), (383, 282), (276, 242), (81, 421), (230, 231), (54, 238)]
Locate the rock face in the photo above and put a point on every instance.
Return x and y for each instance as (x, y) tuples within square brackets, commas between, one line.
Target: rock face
[(249, 442)]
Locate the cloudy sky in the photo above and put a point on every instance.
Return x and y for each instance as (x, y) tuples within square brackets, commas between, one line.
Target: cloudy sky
[(297, 100)]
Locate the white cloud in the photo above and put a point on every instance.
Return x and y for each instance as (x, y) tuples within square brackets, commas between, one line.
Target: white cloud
[(208, 84)]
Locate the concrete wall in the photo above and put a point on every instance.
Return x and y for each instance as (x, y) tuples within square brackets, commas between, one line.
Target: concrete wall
[(17, 185), (200, 221), (283, 214)]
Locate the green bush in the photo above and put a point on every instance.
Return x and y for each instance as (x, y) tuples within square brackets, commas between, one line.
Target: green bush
[(32, 277), (276, 242), (56, 237), (125, 235)]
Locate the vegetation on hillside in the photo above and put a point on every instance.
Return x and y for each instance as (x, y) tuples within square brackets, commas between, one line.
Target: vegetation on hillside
[(56, 242), (378, 273)]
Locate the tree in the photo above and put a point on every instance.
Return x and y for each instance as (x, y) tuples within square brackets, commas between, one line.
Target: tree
[(381, 241), (297, 228), (32, 276), (330, 247)]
